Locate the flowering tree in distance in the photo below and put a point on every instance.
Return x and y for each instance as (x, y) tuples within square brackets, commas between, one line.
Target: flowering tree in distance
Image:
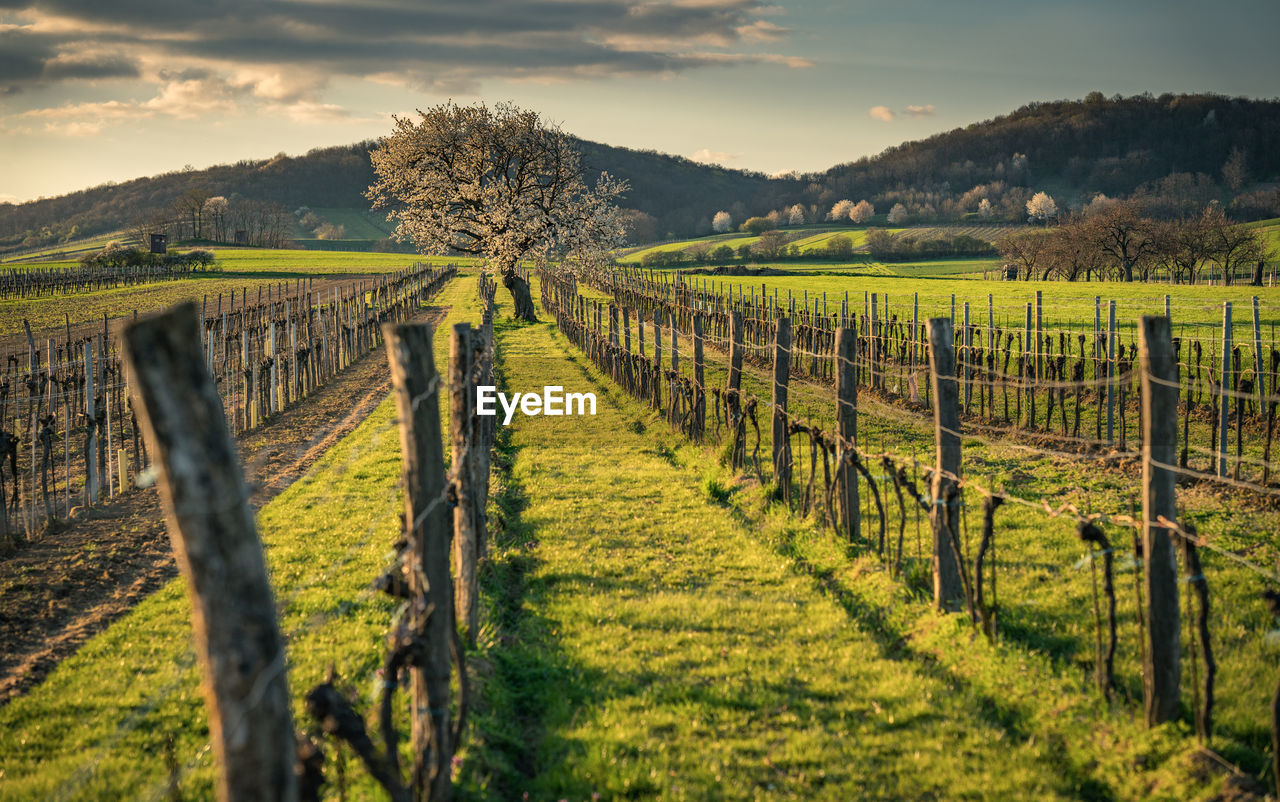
[(841, 209), (500, 183), (861, 212), (898, 214), (1041, 207), (722, 222), (795, 215)]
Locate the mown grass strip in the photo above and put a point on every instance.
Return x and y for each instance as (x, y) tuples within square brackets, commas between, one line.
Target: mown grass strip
[(655, 646)]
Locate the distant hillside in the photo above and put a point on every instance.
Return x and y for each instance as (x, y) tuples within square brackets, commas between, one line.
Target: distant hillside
[(1176, 151), (669, 194)]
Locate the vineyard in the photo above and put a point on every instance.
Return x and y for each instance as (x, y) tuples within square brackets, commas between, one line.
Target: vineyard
[(827, 537)]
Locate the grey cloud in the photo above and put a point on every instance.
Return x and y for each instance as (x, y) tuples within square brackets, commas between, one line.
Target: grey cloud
[(451, 43), (104, 67)]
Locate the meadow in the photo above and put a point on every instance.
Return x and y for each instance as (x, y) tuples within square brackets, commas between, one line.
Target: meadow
[(655, 624)]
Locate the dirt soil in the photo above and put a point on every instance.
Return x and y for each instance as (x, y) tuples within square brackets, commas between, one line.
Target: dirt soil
[(67, 586)]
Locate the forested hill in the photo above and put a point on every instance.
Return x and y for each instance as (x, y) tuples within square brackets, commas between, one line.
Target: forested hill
[(674, 192), (1208, 145), (1176, 151)]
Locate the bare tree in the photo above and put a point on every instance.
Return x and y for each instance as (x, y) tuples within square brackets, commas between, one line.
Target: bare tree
[(191, 205), (1027, 250), (500, 183), (1127, 238), (1230, 245), (1068, 252)]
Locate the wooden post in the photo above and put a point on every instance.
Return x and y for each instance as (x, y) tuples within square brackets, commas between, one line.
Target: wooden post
[(1111, 370), (948, 589), (735, 350), (847, 421), (699, 379), (781, 379), (968, 358), (873, 341), (1039, 339), (206, 506), (416, 387), (1162, 667), (1224, 390), (1260, 374), (465, 553), (657, 358), (91, 446)]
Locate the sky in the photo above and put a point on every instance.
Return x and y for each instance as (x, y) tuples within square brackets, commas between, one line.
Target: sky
[(93, 91)]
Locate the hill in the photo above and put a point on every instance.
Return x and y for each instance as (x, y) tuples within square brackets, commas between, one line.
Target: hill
[(1175, 151)]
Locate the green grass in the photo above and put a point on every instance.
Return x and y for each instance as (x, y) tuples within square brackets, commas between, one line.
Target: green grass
[(236, 269), (1046, 595), (664, 633), (359, 223), (96, 728), (1064, 304)]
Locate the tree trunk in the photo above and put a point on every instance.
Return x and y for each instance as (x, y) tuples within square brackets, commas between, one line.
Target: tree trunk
[(1257, 274), (520, 294)]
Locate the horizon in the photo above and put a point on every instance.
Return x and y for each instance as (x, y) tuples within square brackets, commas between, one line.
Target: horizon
[(95, 96)]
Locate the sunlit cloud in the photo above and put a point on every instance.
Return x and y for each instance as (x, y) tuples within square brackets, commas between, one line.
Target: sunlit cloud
[(883, 113)]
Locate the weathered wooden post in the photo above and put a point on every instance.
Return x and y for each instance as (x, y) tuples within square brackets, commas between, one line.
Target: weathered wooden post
[(465, 554), (1111, 370), (657, 358), (1162, 669), (92, 476), (699, 379), (416, 386), (212, 529), (948, 588), (1260, 374), (847, 425), (1224, 391), (781, 378)]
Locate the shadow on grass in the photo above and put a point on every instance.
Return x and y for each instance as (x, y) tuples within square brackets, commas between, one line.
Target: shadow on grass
[(892, 637), (526, 684)]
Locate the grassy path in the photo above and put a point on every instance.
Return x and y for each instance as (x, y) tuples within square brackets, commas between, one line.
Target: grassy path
[(644, 643)]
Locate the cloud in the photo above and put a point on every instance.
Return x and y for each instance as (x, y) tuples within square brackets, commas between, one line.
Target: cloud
[(708, 156), (443, 44), (888, 115)]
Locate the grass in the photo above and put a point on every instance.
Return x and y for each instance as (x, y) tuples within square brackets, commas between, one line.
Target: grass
[(97, 727), (1045, 590), (236, 269), (1064, 304), (665, 633), (652, 627)]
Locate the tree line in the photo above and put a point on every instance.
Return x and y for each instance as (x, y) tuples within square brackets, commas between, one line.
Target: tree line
[(1112, 240)]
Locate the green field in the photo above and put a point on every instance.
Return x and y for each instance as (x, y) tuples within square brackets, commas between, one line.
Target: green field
[(654, 625), (236, 269)]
